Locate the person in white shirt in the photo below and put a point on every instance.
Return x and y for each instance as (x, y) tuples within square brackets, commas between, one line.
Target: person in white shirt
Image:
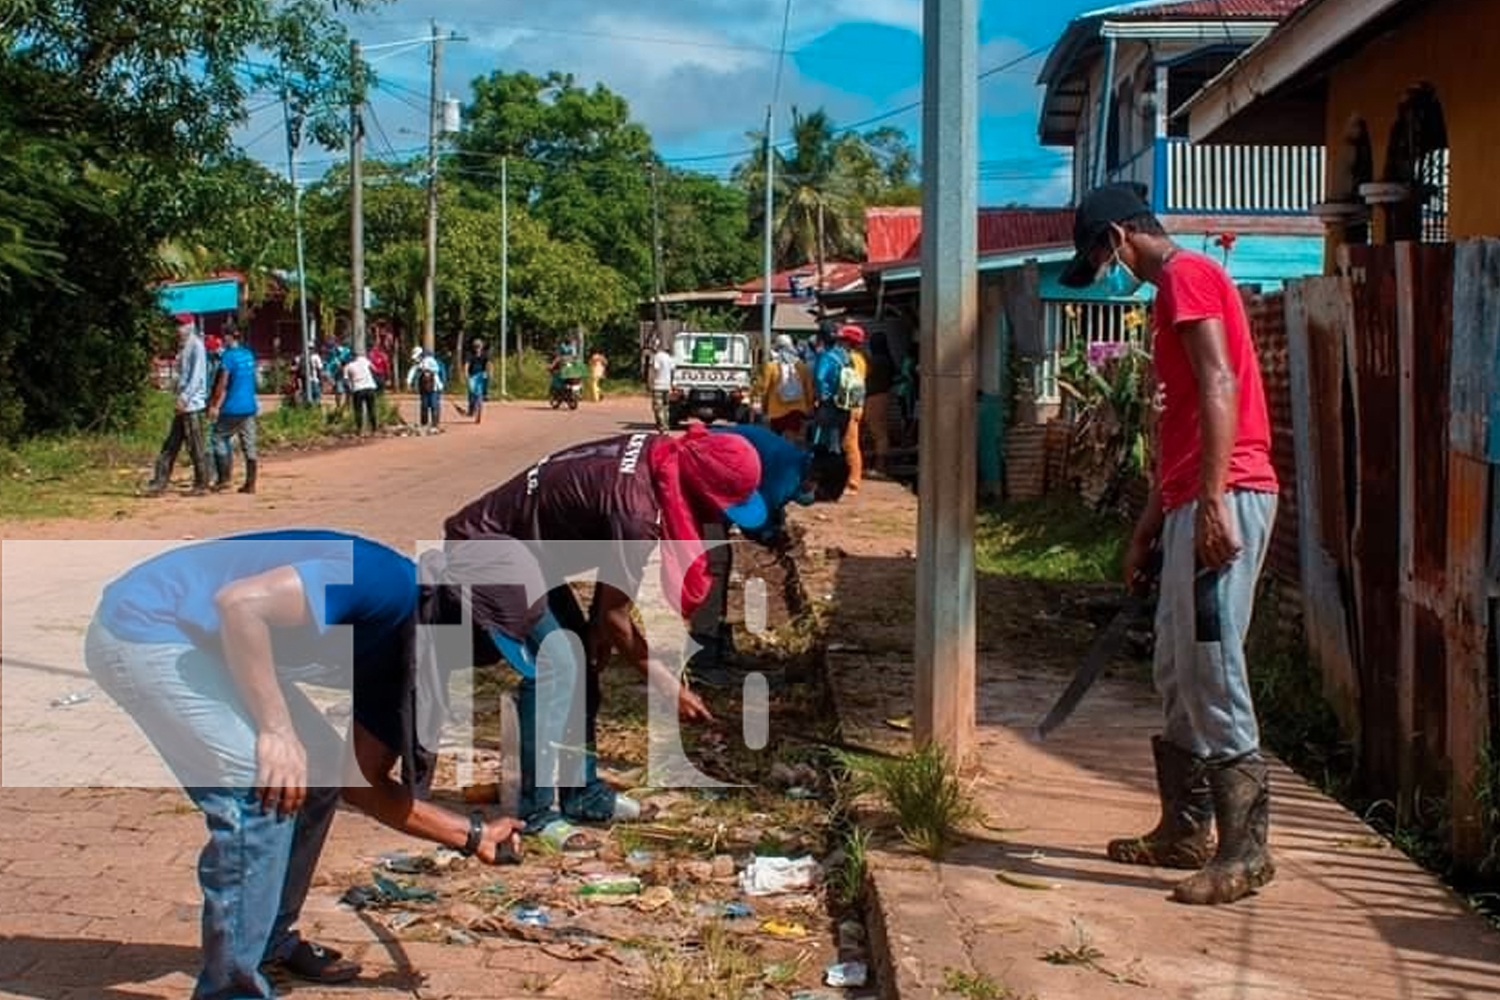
[(360, 375), (426, 377), (662, 366)]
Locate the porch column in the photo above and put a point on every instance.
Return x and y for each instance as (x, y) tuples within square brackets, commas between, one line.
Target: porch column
[(994, 346)]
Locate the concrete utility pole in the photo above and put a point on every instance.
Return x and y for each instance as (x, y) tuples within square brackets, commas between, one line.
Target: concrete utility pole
[(768, 262), (950, 319), (434, 129), (504, 270), (357, 201), (293, 140), (656, 266)]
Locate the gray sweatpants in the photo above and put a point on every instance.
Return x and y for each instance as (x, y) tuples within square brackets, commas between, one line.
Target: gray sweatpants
[(1201, 623)]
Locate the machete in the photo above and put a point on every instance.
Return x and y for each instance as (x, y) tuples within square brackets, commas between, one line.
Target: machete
[(1137, 603)]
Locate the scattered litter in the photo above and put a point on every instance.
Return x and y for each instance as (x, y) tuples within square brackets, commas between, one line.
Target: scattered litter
[(461, 937), (847, 975), (788, 929), (1021, 882), (444, 858), (403, 863), (383, 893), (655, 898), (802, 902), (727, 911), (404, 919), (901, 722), (564, 836), (395, 892), (531, 916), (772, 876), (75, 698), (640, 860), (801, 794), (611, 885), (813, 995), (852, 935)]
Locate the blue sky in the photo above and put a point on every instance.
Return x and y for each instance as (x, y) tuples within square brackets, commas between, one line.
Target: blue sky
[(698, 73)]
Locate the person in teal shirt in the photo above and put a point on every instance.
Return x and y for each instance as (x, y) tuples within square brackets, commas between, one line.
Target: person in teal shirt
[(233, 410)]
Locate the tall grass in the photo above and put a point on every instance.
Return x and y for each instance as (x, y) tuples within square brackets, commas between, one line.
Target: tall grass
[(922, 789)]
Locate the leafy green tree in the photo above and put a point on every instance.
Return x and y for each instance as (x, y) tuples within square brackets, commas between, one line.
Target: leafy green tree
[(110, 111), (576, 159), (705, 241)]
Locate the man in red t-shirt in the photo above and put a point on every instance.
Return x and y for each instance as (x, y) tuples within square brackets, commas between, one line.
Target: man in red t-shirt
[(1210, 512)]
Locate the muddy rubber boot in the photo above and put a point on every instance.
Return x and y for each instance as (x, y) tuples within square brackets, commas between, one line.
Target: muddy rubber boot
[(1183, 838), (223, 473), (1242, 809), (252, 466)]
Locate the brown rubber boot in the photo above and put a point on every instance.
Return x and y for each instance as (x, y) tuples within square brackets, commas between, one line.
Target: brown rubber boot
[(252, 469), (1242, 809), (1184, 836)]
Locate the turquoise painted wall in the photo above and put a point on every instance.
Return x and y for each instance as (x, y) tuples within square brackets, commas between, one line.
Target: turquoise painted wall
[(1268, 261)]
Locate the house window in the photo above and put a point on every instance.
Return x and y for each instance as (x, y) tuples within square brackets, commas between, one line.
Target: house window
[(1418, 158)]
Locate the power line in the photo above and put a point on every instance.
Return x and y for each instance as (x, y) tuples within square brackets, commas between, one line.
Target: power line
[(786, 22), (883, 116)]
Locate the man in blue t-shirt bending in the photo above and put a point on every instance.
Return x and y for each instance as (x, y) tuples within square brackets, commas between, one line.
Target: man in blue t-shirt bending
[(201, 645)]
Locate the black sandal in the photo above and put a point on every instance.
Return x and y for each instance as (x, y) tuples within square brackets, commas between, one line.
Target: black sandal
[(317, 964)]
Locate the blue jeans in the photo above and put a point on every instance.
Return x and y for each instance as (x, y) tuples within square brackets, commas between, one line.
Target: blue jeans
[(1201, 623), (478, 386), (432, 408), (554, 746), (256, 868)]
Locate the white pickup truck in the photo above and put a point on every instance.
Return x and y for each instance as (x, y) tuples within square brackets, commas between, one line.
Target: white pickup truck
[(712, 379)]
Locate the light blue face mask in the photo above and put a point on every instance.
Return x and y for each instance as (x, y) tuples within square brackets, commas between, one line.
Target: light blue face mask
[(1118, 279)]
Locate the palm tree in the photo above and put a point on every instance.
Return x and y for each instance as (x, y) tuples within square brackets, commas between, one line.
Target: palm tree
[(819, 204)]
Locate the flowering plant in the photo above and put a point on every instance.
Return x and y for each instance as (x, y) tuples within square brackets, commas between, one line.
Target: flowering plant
[(1107, 384)]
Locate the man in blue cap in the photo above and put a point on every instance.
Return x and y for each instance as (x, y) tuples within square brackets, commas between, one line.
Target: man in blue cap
[(789, 474)]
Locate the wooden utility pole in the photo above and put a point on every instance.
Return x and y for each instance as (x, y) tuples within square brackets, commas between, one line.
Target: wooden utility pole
[(357, 200), (434, 129), (945, 643)]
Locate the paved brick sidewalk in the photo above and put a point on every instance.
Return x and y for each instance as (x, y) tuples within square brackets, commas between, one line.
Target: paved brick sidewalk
[(1347, 916)]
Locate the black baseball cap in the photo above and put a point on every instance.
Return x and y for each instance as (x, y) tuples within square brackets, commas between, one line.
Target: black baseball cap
[(1100, 207)]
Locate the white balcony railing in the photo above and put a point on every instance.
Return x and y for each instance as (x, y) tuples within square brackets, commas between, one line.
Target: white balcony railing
[(1252, 180)]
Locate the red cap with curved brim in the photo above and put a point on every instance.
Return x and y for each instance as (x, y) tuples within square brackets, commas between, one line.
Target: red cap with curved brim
[(724, 469), (852, 334)]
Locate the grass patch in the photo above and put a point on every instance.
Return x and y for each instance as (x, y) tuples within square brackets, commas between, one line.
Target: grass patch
[(72, 475), (719, 970), (62, 475), (1057, 540), (848, 881), (923, 790), (977, 986)]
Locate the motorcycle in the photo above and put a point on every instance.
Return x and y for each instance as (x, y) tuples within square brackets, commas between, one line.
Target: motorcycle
[(566, 392)]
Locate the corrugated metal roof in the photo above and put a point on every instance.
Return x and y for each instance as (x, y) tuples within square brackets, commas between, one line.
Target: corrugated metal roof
[(894, 234), (1217, 9), (837, 275)]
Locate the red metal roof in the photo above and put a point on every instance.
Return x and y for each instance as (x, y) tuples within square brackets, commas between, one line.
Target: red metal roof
[(837, 275), (1222, 9), (895, 234)]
